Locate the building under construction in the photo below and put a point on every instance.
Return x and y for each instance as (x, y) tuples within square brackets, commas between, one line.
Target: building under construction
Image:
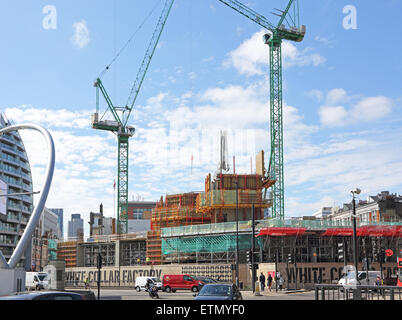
[(224, 195)]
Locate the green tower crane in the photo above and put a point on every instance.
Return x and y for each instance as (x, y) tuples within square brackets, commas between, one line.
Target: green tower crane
[(288, 28), (121, 115)]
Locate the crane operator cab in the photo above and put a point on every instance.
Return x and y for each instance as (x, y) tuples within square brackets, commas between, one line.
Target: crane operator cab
[(130, 130)]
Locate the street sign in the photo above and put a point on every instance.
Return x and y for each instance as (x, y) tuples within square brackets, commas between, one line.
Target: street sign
[(389, 253)]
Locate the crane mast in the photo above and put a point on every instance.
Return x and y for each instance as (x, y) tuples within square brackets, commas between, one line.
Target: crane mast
[(121, 116), (294, 32)]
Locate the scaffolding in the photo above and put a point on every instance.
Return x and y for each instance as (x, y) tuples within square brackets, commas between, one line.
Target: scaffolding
[(223, 195), (176, 210), (153, 247), (67, 251), (205, 249)]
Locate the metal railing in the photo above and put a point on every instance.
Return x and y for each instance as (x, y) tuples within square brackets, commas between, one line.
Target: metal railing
[(360, 292)]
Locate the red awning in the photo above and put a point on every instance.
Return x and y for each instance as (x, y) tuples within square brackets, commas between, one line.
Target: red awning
[(338, 232), (281, 231), (379, 231), (364, 231)]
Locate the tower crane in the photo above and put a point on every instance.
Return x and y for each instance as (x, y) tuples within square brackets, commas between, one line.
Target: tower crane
[(288, 28), (118, 125)]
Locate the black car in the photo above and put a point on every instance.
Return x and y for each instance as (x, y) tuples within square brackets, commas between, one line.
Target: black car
[(219, 291), (47, 295)]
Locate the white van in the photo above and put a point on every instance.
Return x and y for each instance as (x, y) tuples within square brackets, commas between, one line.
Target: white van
[(350, 278), (141, 281), (36, 280)]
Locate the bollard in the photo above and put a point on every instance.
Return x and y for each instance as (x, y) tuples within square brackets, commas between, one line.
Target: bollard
[(257, 289)]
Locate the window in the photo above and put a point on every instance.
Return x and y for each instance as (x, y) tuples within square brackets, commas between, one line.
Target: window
[(63, 297)]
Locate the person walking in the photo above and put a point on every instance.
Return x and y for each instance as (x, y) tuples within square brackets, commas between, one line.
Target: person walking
[(280, 282), (269, 282), (262, 281), (86, 282)]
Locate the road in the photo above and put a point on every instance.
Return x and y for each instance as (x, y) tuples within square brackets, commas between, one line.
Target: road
[(126, 294)]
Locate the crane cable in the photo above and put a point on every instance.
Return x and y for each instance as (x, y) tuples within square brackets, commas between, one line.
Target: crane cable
[(129, 40)]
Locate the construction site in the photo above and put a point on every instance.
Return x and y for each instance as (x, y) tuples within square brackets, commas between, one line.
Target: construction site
[(235, 212), (238, 223)]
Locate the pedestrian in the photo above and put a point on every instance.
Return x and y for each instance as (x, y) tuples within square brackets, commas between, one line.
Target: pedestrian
[(87, 283), (378, 281), (262, 281), (269, 282), (280, 283)]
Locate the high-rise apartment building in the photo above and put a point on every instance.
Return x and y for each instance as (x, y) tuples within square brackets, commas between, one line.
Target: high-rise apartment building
[(15, 178)]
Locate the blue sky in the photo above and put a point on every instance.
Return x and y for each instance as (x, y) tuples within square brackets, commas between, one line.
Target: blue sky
[(342, 97)]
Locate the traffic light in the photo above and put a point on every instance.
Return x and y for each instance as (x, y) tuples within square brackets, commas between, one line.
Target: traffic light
[(290, 258), (341, 251), (248, 256), (99, 261), (382, 255), (375, 254), (274, 258)]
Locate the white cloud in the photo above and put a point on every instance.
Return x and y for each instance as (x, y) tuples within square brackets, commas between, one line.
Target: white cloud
[(333, 116), (317, 94), (360, 109), (51, 117), (81, 35), (372, 108), (252, 56), (336, 96), (192, 75)]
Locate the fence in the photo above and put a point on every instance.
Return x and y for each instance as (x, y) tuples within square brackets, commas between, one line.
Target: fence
[(361, 292)]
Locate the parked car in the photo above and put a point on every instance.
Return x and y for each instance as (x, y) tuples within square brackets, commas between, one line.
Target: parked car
[(46, 295), (36, 280), (141, 281), (173, 282), (219, 291)]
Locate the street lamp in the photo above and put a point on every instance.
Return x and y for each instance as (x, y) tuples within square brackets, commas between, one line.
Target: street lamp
[(355, 248), (237, 233)]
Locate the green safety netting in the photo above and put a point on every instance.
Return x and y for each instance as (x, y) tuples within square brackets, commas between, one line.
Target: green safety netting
[(221, 243)]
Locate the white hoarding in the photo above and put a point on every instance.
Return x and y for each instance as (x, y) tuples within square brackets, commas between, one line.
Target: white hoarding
[(3, 198)]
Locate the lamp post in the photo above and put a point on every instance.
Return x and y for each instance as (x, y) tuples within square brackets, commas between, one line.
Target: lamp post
[(355, 247)]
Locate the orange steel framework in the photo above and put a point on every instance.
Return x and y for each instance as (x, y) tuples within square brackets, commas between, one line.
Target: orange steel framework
[(205, 207)]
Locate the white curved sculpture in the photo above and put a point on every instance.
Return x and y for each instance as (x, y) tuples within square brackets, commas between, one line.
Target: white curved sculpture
[(35, 216)]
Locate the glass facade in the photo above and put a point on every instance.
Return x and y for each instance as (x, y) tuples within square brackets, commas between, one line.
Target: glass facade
[(15, 171)]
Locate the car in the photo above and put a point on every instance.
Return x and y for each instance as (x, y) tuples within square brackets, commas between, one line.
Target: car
[(205, 280), (141, 281), (219, 291), (47, 295), (173, 282)]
